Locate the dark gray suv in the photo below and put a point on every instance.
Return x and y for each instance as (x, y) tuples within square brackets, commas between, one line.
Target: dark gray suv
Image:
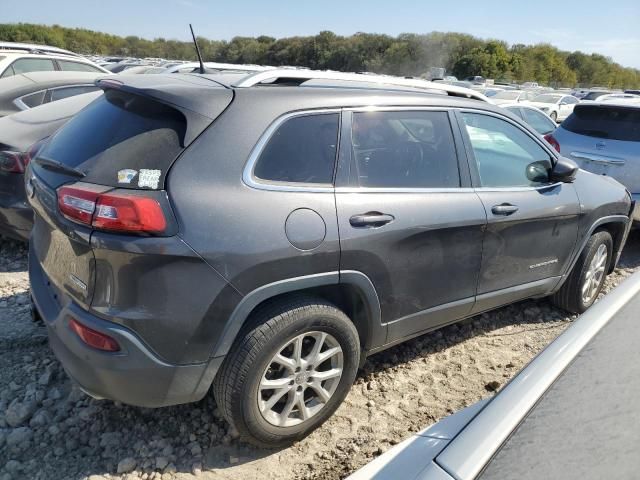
[(264, 237)]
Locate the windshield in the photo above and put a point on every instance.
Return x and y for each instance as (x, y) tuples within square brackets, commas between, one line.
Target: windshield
[(546, 98), (507, 95)]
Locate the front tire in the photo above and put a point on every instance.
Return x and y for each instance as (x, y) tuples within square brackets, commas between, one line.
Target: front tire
[(288, 372), (582, 287)]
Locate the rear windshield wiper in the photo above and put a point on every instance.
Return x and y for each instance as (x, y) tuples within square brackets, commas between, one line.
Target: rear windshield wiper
[(59, 167)]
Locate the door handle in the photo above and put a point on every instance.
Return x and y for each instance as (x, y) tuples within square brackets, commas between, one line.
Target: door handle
[(504, 209), (371, 219)]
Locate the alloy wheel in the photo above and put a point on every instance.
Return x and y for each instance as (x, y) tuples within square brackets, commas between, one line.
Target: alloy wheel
[(595, 274), (300, 379)]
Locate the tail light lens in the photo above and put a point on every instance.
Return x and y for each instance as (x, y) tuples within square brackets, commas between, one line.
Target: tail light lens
[(116, 212), (16, 162), (552, 141), (93, 338)]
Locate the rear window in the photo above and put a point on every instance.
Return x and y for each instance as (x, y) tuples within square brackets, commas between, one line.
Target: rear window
[(302, 150), (120, 140), (66, 92), (612, 122)]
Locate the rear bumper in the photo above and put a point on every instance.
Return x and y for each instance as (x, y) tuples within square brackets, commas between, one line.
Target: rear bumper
[(134, 375), (16, 220)]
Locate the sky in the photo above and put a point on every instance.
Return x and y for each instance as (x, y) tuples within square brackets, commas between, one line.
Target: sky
[(610, 28)]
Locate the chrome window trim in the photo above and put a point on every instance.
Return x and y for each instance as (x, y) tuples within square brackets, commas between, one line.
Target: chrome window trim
[(403, 190), (252, 181), (523, 188)]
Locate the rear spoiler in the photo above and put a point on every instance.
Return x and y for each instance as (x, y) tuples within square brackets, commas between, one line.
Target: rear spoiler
[(201, 101)]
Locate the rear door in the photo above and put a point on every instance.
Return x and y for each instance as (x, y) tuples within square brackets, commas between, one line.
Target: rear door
[(604, 139), (407, 216), (532, 225)]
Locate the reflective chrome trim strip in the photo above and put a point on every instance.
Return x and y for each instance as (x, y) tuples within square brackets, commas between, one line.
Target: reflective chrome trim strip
[(252, 181), (517, 189), (601, 159), (402, 190), (473, 448)]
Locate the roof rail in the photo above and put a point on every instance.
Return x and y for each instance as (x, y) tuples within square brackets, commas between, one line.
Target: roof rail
[(32, 48), (277, 75)]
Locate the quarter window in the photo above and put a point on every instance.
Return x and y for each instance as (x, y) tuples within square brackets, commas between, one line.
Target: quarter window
[(77, 67), (66, 92), (502, 151), (302, 150), (403, 149)]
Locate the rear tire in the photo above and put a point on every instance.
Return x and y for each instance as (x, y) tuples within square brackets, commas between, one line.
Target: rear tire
[(582, 287), (288, 371)]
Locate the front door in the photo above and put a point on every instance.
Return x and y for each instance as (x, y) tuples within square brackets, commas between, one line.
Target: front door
[(532, 223), (408, 218)]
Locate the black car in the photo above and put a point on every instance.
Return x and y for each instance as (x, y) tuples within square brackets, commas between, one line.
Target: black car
[(21, 134), (262, 234)]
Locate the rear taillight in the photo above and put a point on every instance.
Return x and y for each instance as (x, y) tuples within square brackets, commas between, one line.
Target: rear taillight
[(16, 162), (93, 338), (552, 141), (13, 162), (116, 212)]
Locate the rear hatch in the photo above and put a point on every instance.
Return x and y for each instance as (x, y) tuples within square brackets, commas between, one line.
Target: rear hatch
[(604, 139), (118, 149)]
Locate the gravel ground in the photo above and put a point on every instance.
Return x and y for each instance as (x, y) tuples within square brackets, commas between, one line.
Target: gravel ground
[(50, 430)]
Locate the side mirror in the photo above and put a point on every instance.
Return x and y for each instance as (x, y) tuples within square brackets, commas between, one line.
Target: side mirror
[(564, 170), (538, 172)]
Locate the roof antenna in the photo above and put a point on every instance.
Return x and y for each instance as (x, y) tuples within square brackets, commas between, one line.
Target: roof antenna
[(195, 42)]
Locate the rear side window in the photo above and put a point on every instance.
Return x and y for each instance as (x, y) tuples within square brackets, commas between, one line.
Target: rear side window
[(120, 140), (539, 121), (34, 99), (612, 122), (66, 92), (404, 149), (26, 65), (302, 150), (77, 67)]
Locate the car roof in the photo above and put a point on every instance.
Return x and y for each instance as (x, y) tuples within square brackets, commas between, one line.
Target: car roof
[(35, 81), (34, 48), (551, 382)]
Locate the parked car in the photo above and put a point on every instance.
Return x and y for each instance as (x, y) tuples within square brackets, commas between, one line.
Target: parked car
[(557, 105), (28, 90), (213, 67), (568, 414), (593, 95), (17, 58), (634, 92), (615, 97), (604, 138), (341, 220), (511, 96), (20, 136), (534, 117)]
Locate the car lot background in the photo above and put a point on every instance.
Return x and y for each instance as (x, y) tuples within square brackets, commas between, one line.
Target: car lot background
[(50, 430)]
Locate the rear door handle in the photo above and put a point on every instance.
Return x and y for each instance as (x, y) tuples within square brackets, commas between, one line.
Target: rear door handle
[(504, 209), (371, 219)]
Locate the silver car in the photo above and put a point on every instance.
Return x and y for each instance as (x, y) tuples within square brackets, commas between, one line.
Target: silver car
[(604, 138)]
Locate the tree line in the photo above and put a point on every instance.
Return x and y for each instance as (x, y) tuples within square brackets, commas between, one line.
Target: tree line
[(407, 54)]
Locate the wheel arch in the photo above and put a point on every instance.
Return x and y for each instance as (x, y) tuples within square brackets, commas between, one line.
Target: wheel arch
[(617, 226), (351, 291)]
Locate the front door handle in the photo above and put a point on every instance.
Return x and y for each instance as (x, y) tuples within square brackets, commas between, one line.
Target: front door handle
[(371, 219), (504, 209)]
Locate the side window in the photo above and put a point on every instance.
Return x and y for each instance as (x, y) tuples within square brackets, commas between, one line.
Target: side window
[(302, 150), (403, 149), (33, 99), (504, 153), (571, 100), (26, 65), (66, 92), (538, 121), (77, 67), (8, 72), (516, 111)]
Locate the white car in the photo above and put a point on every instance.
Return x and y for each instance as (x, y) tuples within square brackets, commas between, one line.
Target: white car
[(17, 58), (513, 96), (534, 117), (557, 105)]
